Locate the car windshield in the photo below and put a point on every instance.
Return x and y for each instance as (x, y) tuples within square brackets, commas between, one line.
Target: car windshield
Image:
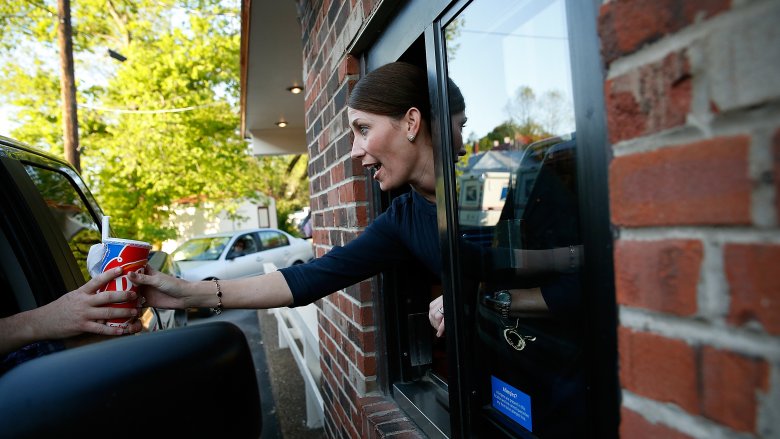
[(201, 249)]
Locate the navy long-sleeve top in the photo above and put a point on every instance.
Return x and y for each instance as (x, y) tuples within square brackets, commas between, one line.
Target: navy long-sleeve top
[(406, 230)]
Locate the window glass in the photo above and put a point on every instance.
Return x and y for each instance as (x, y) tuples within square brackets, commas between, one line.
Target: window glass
[(272, 239), (201, 249), (244, 245), (518, 211), (69, 210)]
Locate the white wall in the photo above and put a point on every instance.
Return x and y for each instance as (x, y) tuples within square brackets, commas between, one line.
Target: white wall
[(191, 221)]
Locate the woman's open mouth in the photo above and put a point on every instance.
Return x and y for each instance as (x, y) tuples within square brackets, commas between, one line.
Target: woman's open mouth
[(374, 168)]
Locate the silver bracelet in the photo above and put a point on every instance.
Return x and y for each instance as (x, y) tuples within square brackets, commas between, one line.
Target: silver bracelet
[(218, 309)]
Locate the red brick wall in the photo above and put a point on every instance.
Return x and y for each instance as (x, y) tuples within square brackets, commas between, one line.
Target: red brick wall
[(354, 408), (693, 108)]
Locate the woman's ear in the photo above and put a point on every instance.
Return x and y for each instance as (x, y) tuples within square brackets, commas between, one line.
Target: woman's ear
[(413, 122)]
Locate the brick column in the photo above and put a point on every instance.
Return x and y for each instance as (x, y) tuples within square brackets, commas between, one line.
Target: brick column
[(693, 110), (354, 408)]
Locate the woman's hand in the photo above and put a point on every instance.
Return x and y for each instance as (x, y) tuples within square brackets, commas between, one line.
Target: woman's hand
[(83, 310), (436, 315), (160, 290)]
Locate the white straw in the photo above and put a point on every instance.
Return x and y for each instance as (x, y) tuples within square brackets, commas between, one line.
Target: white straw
[(105, 228)]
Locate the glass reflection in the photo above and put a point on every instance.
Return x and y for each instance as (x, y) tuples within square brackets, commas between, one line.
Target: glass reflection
[(517, 201), (69, 212)]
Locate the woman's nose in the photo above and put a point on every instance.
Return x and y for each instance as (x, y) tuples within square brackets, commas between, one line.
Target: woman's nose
[(356, 151)]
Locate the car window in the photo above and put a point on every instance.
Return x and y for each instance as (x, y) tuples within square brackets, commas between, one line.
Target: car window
[(244, 245), (69, 210), (201, 249), (271, 239)]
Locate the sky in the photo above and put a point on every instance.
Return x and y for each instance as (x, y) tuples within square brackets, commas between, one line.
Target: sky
[(505, 44)]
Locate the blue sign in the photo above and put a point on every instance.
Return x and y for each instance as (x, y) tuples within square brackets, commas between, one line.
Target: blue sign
[(512, 402)]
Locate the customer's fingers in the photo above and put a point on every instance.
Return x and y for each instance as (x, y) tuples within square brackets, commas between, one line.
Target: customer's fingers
[(103, 278), (108, 297)]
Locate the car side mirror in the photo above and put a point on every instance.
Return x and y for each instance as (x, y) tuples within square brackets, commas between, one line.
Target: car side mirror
[(195, 381), (164, 263), (157, 259)]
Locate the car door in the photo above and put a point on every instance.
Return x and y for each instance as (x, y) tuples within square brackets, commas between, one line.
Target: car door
[(37, 265), (246, 261), (48, 222), (276, 247)]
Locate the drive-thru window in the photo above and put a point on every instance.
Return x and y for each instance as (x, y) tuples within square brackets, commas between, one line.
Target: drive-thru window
[(529, 348)]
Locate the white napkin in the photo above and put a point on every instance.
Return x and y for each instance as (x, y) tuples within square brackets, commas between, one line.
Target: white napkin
[(95, 257)]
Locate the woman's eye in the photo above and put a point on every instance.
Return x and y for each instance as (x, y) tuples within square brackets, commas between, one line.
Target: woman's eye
[(363, 131)]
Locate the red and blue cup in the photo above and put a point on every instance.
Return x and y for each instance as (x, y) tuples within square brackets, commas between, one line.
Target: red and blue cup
[(131, 256)]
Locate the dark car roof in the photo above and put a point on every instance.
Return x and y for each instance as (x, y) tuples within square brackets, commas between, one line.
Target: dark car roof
[(7, 145)]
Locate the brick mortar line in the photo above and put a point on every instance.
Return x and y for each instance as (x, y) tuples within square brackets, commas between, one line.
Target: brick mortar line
[(347, 38), (712, 234), (768, 409), (686, 37), (355, 324), (357, 348), (742, 121), (357, 302), (342, 206), (336, 163), (342, 373), (343, 182), (323, 88), (695, 332), (314, 143), (673, 416), (761, 163), (712, 288)]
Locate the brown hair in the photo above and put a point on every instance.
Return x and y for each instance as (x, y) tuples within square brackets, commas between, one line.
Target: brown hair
[(391, 90)]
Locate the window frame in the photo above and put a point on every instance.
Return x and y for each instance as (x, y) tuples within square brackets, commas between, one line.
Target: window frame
[(598, 275), (46, 254)]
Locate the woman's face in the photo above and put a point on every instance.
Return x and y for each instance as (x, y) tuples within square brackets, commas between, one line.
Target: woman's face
[(458, 123), (381, 143)]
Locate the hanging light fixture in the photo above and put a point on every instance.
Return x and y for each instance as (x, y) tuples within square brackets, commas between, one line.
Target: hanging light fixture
[(295, 89), (281, 124)]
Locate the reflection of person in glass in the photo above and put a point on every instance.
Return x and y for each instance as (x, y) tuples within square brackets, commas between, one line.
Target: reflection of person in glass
[(239, 248), (536, 240), (389, 116), (529, 318)]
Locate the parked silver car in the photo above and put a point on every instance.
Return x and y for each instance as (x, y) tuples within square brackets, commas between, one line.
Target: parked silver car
[(231, 255)]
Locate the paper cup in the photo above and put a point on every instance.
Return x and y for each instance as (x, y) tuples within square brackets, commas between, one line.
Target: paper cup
[(131, 256)]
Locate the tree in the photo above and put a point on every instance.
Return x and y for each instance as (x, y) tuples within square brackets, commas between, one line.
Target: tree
[(173, 133), (156, 129), (70, 124), (286, 179)]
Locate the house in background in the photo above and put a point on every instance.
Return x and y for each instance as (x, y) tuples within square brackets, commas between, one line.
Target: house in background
[(675, 180), (193, 221)]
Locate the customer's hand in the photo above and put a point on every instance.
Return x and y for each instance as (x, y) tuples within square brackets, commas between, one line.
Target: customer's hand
[(159, 289), (436, 315), (83, 310)]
